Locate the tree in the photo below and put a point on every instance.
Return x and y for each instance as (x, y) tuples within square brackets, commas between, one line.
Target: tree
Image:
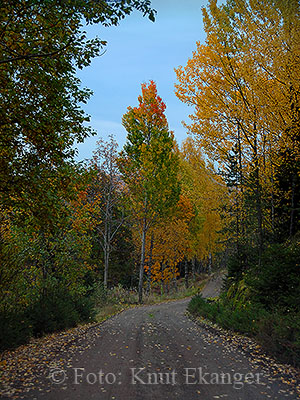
[(105, 193), (207, 193), (149, 165), (243, 85), (42, 44), (37, 257), (44, 206), (171, 243)]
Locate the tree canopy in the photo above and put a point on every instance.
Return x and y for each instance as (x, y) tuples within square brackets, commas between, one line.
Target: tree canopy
[(42, 44)]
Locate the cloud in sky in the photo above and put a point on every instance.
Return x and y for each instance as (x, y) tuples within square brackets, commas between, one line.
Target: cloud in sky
[(137, 51)]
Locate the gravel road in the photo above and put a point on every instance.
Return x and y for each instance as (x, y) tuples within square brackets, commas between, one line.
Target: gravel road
[(158, 352)]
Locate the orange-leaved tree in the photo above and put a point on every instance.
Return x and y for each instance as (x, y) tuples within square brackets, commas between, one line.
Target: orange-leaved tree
[(207, 193), (171, 243), (149, 165)]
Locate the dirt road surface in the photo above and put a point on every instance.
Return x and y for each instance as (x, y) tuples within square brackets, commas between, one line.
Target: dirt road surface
[(158, 352)]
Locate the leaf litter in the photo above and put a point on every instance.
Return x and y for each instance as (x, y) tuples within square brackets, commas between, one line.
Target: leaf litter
[(231, 341)]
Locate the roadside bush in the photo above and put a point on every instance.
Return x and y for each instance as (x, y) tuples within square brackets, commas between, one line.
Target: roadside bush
[(276, 282), (239, 263), (118, 294), (54, 310), (85, 307), (15, 329), (225, 315), (280, 334), (277, 332), (199, 306), (57, 309), (99, 294)]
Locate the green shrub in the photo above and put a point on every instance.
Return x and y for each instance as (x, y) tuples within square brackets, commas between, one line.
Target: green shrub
[(277, 332), (85, 308), (280, 334), (54, 310), (57, 309), (15, 329), (239, 263), (99, 294), (276, 282), (119, 295), (199, 306), (52, 314)]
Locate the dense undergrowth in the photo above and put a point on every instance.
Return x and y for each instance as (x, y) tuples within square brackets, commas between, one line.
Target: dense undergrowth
[(54, 310), (57, 310), (262, 302)]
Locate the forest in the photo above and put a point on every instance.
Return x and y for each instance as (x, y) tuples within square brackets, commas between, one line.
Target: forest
[(155, 214)]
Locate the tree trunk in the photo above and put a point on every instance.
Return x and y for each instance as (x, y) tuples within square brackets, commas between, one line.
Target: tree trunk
[(106, 263), (106, 241), (241, 178), (106, 247), (150, 265), (209, 267), (259, 212), (186, 273), (272, 202), (175, 283), (292, 213), (163, 286), (142, 265), (194, 268)]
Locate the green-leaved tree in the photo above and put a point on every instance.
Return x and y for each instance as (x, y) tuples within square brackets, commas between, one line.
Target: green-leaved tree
[(149, 165)]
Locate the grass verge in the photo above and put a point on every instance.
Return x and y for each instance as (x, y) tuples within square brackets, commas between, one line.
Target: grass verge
[(118, 299)]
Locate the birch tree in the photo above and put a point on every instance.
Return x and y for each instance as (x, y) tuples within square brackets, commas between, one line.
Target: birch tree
[(149, 165)]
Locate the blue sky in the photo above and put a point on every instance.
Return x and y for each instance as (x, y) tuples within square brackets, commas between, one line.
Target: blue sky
[(139, 50)]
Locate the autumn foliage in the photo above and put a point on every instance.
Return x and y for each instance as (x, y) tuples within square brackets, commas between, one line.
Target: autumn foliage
[(155, 213), (243, 86)]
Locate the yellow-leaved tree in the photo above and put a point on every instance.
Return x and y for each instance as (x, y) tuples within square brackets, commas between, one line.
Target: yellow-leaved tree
[(244, 88)]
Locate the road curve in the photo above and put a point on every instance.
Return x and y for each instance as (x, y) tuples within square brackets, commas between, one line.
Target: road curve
[(158, 352)]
